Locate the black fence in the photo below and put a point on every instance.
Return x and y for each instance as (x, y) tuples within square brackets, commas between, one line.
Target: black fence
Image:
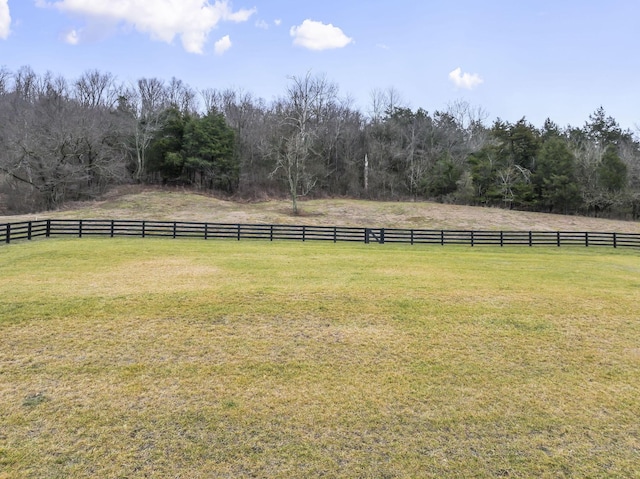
[(181, 229)]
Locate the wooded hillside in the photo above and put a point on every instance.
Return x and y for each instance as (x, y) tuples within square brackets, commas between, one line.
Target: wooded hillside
[(63, 140)]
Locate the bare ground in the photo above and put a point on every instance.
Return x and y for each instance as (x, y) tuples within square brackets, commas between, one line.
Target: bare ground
[(164, 204)]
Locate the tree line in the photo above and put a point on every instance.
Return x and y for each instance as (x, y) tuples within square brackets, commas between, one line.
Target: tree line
[(64, 140)]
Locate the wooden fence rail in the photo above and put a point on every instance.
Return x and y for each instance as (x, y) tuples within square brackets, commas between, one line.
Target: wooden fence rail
[(182, 229)]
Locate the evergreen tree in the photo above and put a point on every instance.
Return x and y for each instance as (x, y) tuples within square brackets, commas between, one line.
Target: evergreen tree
[(209, 152), (165, 156), (612, 172), (555, 179)]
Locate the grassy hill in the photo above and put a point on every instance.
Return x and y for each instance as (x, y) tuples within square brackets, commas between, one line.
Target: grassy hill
[(161, 204)]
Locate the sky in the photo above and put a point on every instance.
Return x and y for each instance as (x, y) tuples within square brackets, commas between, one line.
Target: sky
[(538, 59)]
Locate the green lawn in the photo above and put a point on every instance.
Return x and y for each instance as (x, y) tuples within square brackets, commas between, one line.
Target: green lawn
[(199, 359)]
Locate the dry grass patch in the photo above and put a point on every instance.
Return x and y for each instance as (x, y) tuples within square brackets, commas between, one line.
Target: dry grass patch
[(159, 204), (138, 358)]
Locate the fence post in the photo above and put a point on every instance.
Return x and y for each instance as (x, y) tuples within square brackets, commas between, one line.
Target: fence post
[(442, 237), (8, 237), (174, 229), (29, 232), (412, 236), (586, 239), (79, 228), (366, 236), (304, 231), (472, 242), (615, 240), (144, 229), (501, 238), (48, 231), (238, 232), (271, 233), (530, 239), (206, 231), (335, 234), (112, 228), (381, 235), (558, 238)]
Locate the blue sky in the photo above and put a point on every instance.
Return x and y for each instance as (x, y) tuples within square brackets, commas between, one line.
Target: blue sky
[(560, 59)]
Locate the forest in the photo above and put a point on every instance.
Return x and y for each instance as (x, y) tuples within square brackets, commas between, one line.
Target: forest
[(64, 140)]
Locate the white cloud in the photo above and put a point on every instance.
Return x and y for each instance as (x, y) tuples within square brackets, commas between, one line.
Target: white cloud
[(239, 16), (468, 81), (222, 45), (318, 36), (5, 19), (277, 22), (192, 20), (262, 24), (72, 37)]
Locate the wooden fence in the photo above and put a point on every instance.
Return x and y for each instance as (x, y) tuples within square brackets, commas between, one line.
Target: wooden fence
[(181, 229)]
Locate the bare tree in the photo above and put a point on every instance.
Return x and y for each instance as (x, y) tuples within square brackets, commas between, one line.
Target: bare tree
[(211, 99), (377, 106), (25, 84), (144, 105), (302, 113), (251, 120), (384, 102), (95, 89), (471, 121), (181, 96), (5, 80), (54, 147)]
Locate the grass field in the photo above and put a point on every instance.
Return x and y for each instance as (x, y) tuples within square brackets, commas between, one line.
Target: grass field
[(185, 358)]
